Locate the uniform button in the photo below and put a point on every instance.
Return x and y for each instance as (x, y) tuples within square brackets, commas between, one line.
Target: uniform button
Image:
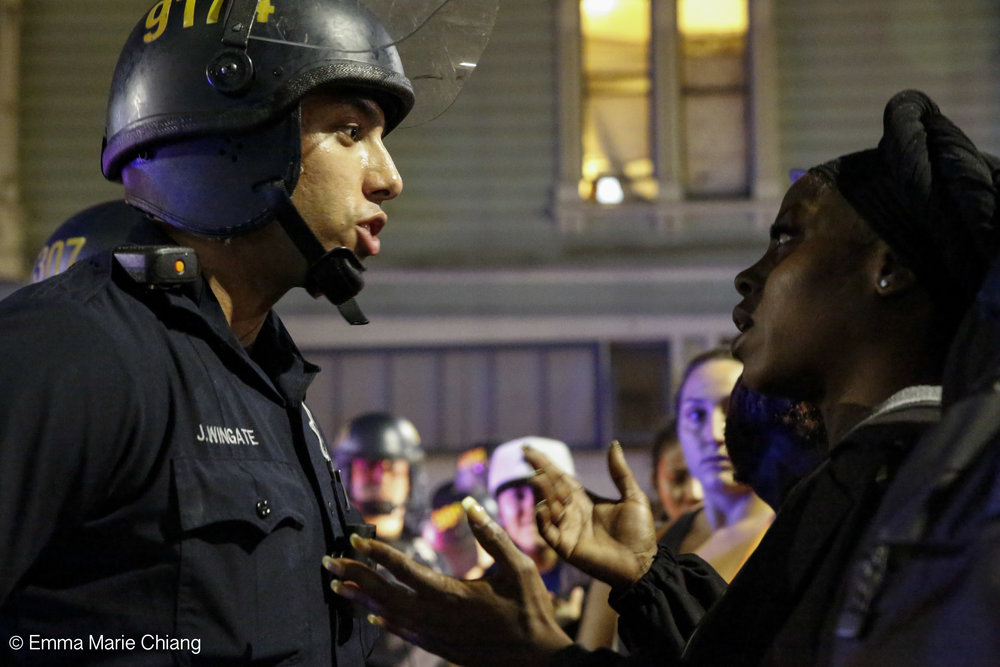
[(263, 508)]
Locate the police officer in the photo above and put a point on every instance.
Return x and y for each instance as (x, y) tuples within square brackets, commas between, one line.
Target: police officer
[(85, 234), (166, 493), (381, 456)]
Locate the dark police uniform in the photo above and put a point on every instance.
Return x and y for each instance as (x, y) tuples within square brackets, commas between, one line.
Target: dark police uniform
[(160, 485)]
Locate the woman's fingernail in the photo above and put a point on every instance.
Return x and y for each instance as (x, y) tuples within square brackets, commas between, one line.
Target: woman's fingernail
[(338, 587), (473, 509), (358, 543), (375, 620), (333, 566)]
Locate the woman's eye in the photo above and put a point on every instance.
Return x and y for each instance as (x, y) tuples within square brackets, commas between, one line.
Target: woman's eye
[(783, 231), (781, 238), (696, 416)]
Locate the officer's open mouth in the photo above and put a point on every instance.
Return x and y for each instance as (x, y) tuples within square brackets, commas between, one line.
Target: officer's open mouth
[(367, 243)]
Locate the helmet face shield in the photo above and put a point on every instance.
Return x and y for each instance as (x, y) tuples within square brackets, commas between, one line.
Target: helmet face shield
[(440, 43)]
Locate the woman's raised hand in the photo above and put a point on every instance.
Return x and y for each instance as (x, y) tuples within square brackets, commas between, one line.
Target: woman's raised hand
[(507, 618), (614, 541)]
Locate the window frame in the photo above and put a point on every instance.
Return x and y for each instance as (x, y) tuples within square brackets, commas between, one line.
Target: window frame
[(671, 218)]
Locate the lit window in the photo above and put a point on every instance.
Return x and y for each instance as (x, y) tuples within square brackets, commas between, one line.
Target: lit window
[(702, 63), (714, 97), (616, 101)]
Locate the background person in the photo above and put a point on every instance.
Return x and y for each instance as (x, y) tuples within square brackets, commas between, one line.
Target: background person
[(380, 456), (472, 471), (90, 232), (732, 518), (446, 529), (449, 535), (677, 490), (510, 484)]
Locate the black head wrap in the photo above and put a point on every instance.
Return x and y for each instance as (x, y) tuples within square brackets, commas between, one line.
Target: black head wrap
[(929, 193)]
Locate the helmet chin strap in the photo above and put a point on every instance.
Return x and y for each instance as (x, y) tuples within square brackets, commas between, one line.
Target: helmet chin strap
[(336, 274)]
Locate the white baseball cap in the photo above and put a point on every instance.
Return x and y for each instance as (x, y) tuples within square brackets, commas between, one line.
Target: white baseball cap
[(507, 464)]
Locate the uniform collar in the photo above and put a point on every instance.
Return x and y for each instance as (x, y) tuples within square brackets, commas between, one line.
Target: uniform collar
[(274, 359)]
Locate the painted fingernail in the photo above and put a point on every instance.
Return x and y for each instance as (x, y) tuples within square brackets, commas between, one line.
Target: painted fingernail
[(375, 620), (333, 566), (473, 509), (338, 587)]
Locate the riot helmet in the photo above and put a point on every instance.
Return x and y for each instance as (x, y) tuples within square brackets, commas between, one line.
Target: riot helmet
[(377, 452), (379, 435), (203, 116)]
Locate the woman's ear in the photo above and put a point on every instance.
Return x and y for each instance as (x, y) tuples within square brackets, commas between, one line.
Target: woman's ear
[(892, 276)]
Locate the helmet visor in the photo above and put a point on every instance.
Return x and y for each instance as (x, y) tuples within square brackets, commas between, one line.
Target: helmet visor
[(438, 41)]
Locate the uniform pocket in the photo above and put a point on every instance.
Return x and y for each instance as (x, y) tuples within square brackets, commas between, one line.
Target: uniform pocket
[(241, 553)]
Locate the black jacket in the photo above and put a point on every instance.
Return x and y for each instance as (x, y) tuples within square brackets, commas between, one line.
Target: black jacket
[(924, 584), (780, 608)]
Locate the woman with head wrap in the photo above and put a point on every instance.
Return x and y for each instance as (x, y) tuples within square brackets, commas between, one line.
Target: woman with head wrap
[(872, 261)]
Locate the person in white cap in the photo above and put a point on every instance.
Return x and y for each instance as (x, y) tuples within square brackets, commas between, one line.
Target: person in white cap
[(509, 483)]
